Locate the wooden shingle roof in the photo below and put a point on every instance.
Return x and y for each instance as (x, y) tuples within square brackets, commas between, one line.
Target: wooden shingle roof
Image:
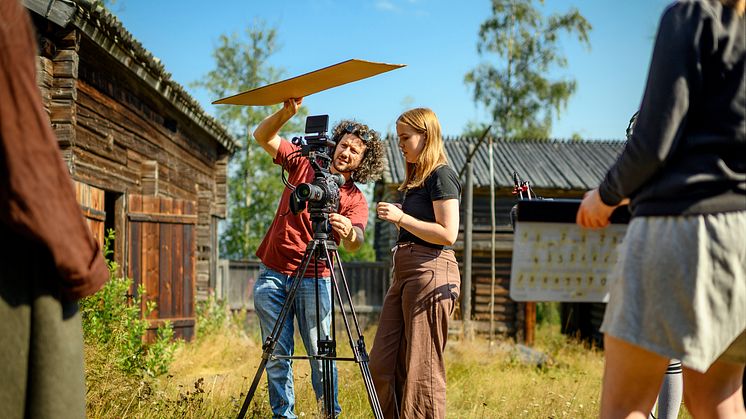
[(548, 164)]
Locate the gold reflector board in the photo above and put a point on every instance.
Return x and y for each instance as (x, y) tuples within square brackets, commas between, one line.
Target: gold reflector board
[(309, 83)]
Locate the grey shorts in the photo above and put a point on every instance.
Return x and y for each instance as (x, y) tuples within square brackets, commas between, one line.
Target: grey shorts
[(679, 288)]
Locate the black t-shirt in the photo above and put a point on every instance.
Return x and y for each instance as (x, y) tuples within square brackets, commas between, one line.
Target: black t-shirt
[(442, 184)]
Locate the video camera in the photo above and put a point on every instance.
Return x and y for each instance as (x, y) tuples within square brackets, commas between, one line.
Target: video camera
[(322, 194)]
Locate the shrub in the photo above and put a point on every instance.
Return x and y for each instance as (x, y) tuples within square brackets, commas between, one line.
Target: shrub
[(112, 319), (547, 313), (212, 316)]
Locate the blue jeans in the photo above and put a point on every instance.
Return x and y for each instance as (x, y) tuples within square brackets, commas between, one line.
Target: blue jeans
[(270, 292)]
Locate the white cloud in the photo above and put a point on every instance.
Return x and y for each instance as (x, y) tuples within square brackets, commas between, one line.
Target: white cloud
[(386, 6)]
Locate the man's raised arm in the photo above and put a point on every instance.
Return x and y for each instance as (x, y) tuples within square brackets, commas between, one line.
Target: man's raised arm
[(266, 134)]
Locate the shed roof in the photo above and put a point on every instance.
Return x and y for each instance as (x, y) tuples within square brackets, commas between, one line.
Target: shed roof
[(548, 164), (105, 29)]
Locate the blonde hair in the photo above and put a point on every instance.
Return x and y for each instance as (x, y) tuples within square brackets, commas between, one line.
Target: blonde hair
[(433, 154), (738, 5)]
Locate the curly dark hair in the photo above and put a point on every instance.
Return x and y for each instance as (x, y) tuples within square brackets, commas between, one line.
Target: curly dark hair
[(371, 167)]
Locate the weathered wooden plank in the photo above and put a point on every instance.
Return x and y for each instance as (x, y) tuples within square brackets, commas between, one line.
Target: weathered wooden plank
[(162, 218), (99, 145), (485, 289), (65, 133), (110, 175), (177, 273), (502, 302), (135, 252), (60, 13), (499, 317), (149, 176), (93, 214), (164, 273), (151, 252), (189, 282), (166, 263), (66, 64)]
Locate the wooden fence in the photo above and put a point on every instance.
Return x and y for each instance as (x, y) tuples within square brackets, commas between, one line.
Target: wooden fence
[(367, 281)]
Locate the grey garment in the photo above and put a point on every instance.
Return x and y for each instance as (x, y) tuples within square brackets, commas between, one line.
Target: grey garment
[(41, 349), (686, 154), (679, 288)]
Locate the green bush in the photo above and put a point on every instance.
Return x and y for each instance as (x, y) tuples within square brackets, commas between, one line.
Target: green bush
[(547, 313), (212, 316), (112, 319)]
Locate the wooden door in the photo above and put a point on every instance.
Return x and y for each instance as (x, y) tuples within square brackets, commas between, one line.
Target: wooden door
[(91, 201), (162, 253)]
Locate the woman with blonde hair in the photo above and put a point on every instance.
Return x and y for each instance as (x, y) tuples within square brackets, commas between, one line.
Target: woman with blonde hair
[(679, 287), (406, 360)]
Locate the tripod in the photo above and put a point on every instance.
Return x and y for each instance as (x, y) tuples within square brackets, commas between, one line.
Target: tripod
[(320, 248)]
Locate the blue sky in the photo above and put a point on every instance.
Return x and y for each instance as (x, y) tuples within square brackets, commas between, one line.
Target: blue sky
[(436, 39)]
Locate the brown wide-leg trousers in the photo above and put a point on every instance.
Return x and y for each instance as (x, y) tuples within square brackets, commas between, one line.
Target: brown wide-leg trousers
[(406, 360)]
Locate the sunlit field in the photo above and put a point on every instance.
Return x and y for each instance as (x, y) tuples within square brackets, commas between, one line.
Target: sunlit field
[(210, 376)]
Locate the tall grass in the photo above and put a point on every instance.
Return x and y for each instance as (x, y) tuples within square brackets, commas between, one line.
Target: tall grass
[(210, 376)]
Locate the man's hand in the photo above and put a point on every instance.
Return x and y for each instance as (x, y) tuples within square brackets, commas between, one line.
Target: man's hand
[(593, 213), (267, 132), (352, 237), (291, 106), (342, 226)]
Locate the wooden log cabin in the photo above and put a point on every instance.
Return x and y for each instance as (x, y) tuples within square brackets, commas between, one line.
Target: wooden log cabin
[(147, 161), (555, 169)]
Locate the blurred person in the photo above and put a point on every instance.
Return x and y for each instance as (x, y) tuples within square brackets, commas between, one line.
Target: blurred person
[(668, 402), (358, 157), (680, 282), (48, 258), (406, 360)]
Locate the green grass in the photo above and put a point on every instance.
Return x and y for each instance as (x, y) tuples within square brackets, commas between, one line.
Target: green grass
[(210, 376)]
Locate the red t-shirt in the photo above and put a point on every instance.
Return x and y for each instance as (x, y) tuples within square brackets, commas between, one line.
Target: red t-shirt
[(284, 244)]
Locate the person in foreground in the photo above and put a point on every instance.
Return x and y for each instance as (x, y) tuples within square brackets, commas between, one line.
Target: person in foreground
[(406, 360), (358, 157), (48, 258), (679, 287)]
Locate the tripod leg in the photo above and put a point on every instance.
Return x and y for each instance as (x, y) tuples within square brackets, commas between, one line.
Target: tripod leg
[(314, 312), (271, 342)]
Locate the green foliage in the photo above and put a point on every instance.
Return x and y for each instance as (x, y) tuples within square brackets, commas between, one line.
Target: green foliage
[(366, 252), (112, 319), (254, 181), (105, 3), (518, 94), (212, 316), (474, 129), (547, 313)]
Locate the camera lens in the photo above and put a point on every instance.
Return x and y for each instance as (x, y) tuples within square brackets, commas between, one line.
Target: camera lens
[(304, 191), (309, 192)]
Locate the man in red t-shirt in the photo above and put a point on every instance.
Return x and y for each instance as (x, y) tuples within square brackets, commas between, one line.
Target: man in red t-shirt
[(358, 157)]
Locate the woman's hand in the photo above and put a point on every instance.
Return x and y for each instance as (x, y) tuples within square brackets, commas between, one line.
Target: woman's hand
[(389, 212), (593, 213)]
